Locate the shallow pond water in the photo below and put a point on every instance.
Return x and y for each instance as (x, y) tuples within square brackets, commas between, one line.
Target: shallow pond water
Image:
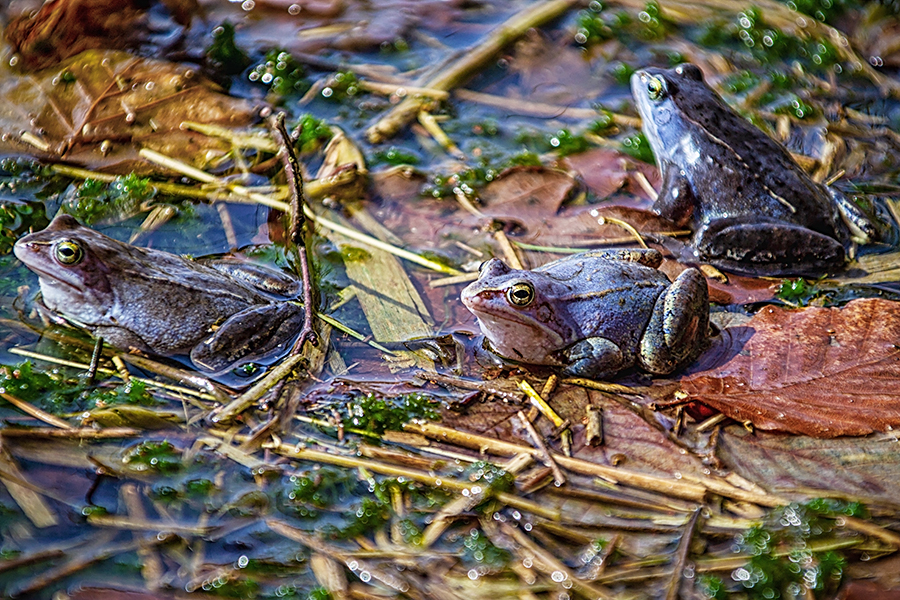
[(394, 461)]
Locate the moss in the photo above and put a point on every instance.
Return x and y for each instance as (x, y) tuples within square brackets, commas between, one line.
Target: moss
[(223, 53), (96, 201), (375, 414)]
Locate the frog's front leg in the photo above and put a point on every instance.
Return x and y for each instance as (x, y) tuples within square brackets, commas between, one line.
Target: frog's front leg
[(251, 333), (679, 325), (122, 338), (594, 358), (676, 200), (768, 247)]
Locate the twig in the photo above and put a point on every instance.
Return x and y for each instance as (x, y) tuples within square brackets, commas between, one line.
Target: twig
[(593, 431), (540, 109), (467, 384), (80, 560), (36, 412), (624, 225), (559, 477), (248, 398), (298, 203), (454, 280), (472, 60), (544, 560), (562, 425), (436, 481), (681, 555), (509, 253), (77, 365), (665, 485), (427, 120), (80, 433)]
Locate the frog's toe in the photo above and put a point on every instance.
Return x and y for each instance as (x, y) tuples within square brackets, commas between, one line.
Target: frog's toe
[(861, 226), (593, 358)]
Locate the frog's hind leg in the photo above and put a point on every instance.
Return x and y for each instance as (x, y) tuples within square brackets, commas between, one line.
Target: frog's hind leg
[(679, 325), (250, 334), (770, 249)]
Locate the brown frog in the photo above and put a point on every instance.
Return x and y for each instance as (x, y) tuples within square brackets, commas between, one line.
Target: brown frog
[(593, 314), (751, 208), (218, 312)]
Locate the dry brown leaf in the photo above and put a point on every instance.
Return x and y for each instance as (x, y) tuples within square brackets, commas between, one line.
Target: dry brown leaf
[(627, 437), (99, 108), (864, 468), (822, 372)]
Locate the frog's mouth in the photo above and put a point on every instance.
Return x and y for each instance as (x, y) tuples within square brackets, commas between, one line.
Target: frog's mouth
[(511, 322)]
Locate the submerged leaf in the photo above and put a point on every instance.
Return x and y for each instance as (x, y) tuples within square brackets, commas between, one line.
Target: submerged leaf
[(101, 107), (822, 372)]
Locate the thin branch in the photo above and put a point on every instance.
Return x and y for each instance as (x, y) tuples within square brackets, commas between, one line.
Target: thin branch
[(681, 555), (472, 60), (298, 229)]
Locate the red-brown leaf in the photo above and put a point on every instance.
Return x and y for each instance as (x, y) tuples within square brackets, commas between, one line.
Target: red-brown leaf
[(822, 372)]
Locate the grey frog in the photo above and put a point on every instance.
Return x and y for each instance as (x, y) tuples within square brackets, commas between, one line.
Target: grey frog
[(593, 313), (218, 312), (751, 207)]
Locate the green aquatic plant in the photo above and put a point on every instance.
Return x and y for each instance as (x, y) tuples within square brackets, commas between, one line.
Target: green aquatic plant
[(281, 73), (782, 561), (95, 200), (376, 414), (159, 456)]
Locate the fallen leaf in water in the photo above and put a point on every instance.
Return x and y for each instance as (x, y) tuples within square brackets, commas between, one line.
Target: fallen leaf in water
[(101, 107), (541, 69), (866, 468), (627, 437), (866, 590), (64, 28), (822, 372), (606, 171)]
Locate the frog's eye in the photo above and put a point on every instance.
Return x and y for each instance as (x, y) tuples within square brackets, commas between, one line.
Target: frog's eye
[(520, 294), (68, 252), (655, 88)]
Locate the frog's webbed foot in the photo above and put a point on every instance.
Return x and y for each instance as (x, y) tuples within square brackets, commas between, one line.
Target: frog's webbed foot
[(593, 358), (772, 248), (643, 256), (679, 325), (252, 333), (861, 227)]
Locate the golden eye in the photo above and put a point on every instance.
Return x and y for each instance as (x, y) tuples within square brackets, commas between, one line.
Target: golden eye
[(520, 294), (655, 88), (69, 253)]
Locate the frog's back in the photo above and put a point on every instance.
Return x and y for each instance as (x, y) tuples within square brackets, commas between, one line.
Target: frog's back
[(607, 298), (735, 169)]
